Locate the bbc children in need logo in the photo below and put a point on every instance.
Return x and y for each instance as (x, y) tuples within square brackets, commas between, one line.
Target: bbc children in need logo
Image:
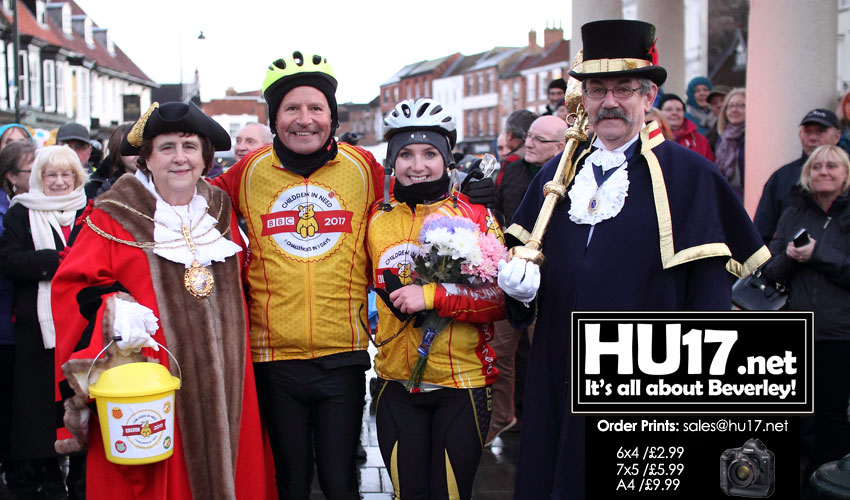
[(307, 222)]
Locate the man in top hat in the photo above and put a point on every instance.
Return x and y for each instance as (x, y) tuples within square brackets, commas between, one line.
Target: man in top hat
[(609, 246), (556, 91), (818, 128)]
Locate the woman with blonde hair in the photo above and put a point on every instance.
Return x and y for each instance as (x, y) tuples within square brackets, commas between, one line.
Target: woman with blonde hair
[(731, 126), (811, 249), (37, 228)]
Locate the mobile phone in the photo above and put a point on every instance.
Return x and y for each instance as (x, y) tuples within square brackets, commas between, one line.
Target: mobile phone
[(801, 238)]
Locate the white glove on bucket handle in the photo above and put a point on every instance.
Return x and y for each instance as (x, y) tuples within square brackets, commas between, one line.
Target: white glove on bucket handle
[(520, 279), (135, 324)]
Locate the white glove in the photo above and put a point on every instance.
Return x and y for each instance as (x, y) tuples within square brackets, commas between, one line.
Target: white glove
[(520, 279), (135, 324)]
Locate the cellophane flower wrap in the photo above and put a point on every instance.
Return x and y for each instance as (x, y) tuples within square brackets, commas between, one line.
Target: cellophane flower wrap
[(454, 250)]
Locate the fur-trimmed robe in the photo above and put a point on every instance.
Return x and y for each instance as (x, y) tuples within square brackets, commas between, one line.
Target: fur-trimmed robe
[(218, 450)]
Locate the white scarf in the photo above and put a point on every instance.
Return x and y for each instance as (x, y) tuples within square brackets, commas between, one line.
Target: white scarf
[(48, 214), (209, 244)]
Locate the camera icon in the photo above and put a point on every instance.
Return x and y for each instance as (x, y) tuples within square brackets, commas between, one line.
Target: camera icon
[(748, 471)]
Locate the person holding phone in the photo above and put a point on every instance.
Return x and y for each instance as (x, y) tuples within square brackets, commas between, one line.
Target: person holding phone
[(811, 249)]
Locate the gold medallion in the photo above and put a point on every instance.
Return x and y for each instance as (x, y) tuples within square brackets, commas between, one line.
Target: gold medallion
[(198, 280), (593, 206)]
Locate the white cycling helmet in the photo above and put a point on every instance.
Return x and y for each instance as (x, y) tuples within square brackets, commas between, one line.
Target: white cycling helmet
[(422, 114)]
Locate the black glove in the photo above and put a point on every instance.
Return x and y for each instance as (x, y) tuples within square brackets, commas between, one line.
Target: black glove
[(480, 192), (391, 284)]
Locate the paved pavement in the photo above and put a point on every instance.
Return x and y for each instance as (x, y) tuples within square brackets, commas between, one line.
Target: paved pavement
[(494, 480)]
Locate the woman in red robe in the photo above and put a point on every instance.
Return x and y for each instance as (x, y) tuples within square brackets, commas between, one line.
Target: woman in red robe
[(159, 260)]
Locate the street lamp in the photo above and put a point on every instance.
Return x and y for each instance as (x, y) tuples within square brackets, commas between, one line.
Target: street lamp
[(180, 49)]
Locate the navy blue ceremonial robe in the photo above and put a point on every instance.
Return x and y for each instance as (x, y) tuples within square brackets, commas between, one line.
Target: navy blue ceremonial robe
[(679, 232)]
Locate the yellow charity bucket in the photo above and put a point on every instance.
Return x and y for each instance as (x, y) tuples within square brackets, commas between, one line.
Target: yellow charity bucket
[(135, 405)]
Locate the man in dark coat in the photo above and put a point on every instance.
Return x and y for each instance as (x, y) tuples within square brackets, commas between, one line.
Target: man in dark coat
[(818, 128), (646, 225), (555, 93), (545, 139)]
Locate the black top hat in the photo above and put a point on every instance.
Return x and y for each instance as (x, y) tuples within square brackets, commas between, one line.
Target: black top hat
[(619, 48), (174, 117)]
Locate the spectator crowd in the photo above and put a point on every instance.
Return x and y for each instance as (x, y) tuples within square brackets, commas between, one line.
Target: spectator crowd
[(257, 278)]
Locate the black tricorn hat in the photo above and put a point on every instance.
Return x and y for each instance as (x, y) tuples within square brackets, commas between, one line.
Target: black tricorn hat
[(619, 47), (174, 117)]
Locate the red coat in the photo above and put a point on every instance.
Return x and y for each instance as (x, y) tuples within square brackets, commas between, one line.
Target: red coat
[(95, 261), (688, 136)]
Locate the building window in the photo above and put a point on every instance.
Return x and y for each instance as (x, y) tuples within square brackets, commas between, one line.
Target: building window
[(3, 103), (532, 88), (480, 84), (60, 87), (417, 89), (35, 80), (40, 12), (481, 126), (386, 96), (491, 122), (49, 85), (66, 20), (87, 32), (23, 78), (543, 86)]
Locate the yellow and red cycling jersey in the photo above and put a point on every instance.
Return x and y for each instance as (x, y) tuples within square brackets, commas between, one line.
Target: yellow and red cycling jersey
[(307, 274), (460, 356)]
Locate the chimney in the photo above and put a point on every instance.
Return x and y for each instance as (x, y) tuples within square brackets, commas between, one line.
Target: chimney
[(230, 91), (551, 37), (532, 40)]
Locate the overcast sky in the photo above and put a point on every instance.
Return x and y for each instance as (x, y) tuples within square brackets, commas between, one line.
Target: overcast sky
[(365, 42)]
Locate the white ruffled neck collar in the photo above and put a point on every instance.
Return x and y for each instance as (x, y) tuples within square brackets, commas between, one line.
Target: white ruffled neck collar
[(591, 203), (210, 245)]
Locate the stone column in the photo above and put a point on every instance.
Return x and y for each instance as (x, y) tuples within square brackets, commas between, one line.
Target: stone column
[(584, 11), (791, 69), (668, 16)]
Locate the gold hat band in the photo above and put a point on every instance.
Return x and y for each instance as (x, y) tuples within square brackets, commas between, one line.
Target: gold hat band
[(613, 65), (136, 134)]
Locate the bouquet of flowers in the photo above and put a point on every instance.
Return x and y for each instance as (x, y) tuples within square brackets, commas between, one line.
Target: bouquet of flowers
[(453, 251)]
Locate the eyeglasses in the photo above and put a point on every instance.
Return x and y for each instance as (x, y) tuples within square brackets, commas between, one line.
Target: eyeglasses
[(540, 140), (23, 171), (736, 106), (65, 176), (621, 92)]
